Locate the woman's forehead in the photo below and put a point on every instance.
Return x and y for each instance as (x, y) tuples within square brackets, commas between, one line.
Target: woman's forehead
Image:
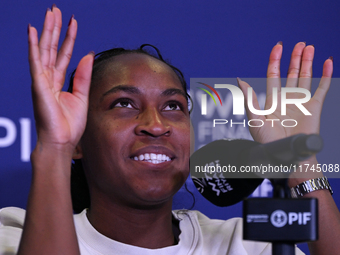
[(136, 68), (138, 62)]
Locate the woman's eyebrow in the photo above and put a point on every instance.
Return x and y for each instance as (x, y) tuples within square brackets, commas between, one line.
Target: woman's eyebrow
[(171, 92), (125, 88), (135, 90)]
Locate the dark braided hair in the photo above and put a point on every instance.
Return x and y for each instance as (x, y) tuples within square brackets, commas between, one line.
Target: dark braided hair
[(79, 187)]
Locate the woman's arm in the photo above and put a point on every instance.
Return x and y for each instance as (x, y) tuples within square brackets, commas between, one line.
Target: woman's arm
[(60, 121)]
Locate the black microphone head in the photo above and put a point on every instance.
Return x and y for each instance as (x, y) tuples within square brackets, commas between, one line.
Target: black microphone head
[(307, 145), (215, 171), (226, 192)]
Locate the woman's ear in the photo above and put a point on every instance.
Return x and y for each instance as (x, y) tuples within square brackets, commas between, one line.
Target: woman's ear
[(78, 152)]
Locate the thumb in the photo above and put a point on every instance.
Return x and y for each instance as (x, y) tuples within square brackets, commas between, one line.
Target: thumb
[(82, 77)]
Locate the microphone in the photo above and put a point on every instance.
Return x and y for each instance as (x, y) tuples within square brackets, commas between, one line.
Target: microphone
[(227, 171)]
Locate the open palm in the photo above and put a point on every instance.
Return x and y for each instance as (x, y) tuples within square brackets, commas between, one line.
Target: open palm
[(299, 76), (60, 116)]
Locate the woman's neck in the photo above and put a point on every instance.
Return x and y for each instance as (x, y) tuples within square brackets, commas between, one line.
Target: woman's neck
[(150, 227)]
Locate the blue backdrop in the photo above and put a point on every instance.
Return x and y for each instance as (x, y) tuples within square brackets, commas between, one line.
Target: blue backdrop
[(204, 39)]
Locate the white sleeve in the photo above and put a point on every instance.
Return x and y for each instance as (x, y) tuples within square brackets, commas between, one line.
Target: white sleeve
[(11, 225)]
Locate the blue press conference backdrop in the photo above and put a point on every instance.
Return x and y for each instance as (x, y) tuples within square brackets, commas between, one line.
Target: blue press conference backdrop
[(204, 39)]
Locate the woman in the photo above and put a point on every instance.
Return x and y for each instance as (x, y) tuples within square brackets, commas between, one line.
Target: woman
[(135, 109)]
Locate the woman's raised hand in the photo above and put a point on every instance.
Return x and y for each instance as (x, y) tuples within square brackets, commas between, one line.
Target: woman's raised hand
[(60, 116), (60, 122), (299, 76)]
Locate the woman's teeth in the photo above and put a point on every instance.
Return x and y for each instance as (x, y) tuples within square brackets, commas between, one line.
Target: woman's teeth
[(152, 158)]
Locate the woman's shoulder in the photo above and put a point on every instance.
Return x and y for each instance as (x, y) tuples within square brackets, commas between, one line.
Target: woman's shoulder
[(229, 229), (12, 217), (219, 236)]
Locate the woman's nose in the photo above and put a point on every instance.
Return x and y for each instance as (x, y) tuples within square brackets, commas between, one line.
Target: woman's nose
[(152, 123)]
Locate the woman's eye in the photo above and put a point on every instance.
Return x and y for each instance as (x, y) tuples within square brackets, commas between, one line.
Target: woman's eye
[(172, 107), (122, 104)]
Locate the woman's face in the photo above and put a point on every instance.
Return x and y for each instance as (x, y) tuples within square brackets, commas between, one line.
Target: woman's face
[(137, 140)]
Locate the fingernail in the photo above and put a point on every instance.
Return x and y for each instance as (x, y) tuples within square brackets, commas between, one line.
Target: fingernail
[(279, 43), (238, 81), (72, 18), (48, 10), (304, 43), (28, 28), (53, 5), (312, 45), (92, 53), (331, 58)]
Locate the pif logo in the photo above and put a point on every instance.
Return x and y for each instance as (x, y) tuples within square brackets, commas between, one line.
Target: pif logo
[(280, 218)]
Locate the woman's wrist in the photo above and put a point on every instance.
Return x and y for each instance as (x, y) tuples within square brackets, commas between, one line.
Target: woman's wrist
[(52, 158), (304, 172)]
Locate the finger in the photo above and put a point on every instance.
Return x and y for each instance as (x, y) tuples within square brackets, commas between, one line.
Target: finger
[(33, 53), (55, 35), (39, 84), (325, 82), (306, 72), (244, 87), (46, 37), (295, 64), (82, 77), (273, 71), (66, 49)]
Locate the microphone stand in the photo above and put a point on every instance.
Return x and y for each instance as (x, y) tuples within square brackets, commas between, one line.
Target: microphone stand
[(282, 220), (281, 190)]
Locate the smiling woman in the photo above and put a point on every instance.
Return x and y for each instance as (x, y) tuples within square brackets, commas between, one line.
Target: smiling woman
[(125, 121), (130, 116), (137, 109), (133, 88)]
